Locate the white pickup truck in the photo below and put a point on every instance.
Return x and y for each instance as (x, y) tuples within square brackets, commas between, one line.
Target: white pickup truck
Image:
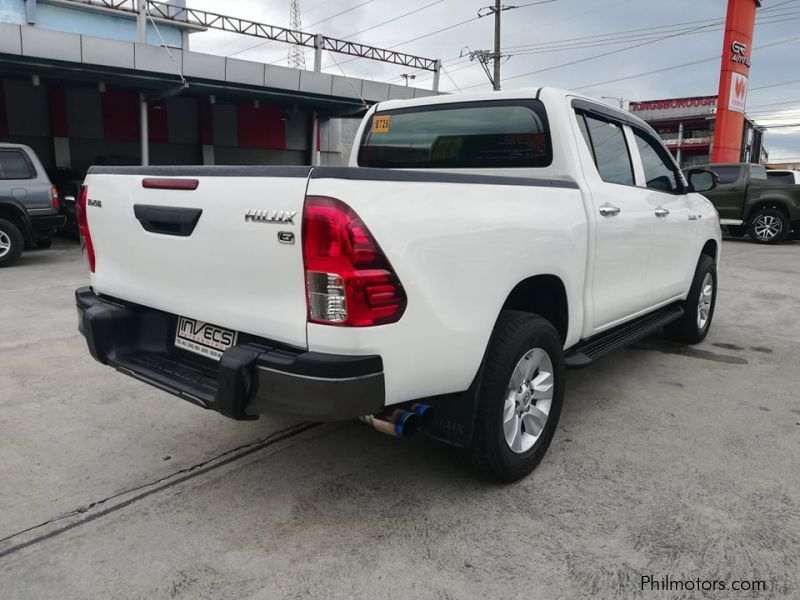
[(475, 247)]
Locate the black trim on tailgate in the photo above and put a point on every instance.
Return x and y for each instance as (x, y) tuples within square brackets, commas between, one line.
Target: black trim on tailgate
[(374, 174), (205, 171)]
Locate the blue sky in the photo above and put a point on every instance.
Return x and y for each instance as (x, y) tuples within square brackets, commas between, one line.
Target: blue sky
[(543, 38)]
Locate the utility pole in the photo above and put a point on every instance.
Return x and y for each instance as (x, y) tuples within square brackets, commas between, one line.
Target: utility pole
[(484, 56), (297, 58), (498, 8)]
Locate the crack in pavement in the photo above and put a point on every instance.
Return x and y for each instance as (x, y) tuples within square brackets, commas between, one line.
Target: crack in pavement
[(156, 486)]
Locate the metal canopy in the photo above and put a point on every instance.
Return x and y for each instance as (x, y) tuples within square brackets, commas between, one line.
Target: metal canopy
[(183, 16)]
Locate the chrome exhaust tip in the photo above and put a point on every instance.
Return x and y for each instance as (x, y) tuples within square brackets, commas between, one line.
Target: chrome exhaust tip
[(399, 423)]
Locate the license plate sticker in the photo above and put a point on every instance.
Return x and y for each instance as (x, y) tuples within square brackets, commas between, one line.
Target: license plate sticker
[(204, 338)]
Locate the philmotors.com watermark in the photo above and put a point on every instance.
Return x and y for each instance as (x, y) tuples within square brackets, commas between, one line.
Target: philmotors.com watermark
[(651, 583)]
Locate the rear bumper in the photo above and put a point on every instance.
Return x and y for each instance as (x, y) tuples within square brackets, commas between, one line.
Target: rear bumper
[(254, 377), (47, 225)]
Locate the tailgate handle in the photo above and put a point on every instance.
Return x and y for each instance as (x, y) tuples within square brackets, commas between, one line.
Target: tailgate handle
[(168, 220)]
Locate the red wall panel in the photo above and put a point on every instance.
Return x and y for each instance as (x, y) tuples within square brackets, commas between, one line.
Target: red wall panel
[(3, 117), (120, 115), (57, 102), (261, 127)]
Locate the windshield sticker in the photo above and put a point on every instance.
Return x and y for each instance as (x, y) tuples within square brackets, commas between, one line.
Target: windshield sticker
[(380, 123)]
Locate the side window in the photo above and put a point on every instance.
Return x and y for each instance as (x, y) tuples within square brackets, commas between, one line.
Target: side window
[(13, 165), (659, 173), (609, 148), (727, 175), (758, 172)]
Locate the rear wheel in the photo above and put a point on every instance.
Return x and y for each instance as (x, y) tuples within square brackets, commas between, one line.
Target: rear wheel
[(768, 226), (519, 398), (11, 243), (698, 307)]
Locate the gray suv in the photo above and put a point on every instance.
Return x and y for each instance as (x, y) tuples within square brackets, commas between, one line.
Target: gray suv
[(28, 203)]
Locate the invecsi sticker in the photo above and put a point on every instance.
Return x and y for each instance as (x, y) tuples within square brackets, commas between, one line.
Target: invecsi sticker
[(380, 124)]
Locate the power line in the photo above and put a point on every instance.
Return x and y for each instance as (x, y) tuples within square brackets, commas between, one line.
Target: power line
[(393, 19), (596, 56), (308, 26), (691, 63)]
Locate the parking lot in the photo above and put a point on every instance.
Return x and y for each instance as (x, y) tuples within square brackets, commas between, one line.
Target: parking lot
[(668, 462)]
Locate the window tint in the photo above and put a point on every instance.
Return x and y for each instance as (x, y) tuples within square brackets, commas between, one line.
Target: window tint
[(727, 175), (783, 177), (758, 172), (610, 150), (490, 134), (13, 165), (659, 173)]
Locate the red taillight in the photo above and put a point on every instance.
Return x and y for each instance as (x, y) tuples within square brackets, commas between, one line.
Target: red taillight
[(83, 227), (349, 281), (54, 195)]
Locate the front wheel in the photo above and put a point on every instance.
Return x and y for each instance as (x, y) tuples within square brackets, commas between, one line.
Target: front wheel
[(519, 398), (769, 226), (699, 305)]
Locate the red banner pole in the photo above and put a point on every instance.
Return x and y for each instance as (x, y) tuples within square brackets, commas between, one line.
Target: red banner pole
[(733, 80)]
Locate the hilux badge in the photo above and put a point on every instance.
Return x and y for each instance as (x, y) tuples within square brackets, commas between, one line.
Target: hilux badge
[(270, 216)]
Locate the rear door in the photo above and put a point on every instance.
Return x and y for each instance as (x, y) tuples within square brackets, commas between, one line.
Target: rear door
[(673, 249), (227, 253), (624, 222)]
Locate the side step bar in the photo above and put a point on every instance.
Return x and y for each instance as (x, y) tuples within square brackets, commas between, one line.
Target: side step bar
[(590, 350)]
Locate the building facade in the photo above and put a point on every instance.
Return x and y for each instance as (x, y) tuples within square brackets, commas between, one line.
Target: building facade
[(687, 127), (94, 83)]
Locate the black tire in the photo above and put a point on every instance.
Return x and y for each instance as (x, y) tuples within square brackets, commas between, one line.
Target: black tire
[(687, 329), (514, 335), (776, 218), (12, 235), (44, 243)]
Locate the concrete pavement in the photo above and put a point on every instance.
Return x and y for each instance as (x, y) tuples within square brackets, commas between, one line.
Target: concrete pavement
[(668, 461)]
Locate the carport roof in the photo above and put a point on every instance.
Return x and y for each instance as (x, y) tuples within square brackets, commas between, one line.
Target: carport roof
[(72, 58)]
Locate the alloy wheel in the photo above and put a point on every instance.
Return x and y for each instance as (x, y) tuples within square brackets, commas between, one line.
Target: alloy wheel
[(767, 227), (5, 243), (529, 396), (704, 302)]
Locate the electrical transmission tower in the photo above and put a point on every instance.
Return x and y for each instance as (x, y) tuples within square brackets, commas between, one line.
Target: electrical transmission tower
[(297, 57)]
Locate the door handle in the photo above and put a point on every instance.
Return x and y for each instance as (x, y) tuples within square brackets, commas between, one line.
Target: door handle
[(661, 212), (609, 210)]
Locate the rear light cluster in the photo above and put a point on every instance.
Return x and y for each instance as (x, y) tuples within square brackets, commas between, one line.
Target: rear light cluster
[(83, 227), (54, 196), (349, 281)]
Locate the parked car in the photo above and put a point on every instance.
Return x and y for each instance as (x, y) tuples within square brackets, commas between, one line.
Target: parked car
[(784, 176), (748, 202), (475, 247), (68, 184), (28, 203)]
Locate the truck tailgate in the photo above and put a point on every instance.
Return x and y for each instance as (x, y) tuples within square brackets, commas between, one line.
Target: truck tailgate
[(228, 269)]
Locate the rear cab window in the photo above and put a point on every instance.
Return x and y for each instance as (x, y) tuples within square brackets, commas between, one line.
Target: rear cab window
[(490, 134), (782, 177)]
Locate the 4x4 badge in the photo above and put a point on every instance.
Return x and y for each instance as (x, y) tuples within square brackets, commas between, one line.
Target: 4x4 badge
[(270, 216)]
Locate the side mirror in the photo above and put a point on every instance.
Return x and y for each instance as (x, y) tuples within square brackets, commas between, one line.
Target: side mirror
[(702, 180)]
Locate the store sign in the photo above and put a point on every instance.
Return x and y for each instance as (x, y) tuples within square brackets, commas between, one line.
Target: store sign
[(739, 53), (738, 94), (674, 103)]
